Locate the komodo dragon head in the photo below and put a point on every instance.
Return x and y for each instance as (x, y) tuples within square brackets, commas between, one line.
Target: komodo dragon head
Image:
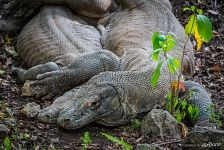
[(94, 101)]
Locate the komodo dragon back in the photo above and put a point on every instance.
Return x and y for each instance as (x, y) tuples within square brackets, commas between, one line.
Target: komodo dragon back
[(57, 35)]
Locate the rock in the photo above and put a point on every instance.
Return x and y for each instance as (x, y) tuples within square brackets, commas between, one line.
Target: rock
[(3, 131), (204, 138), (148, 147), (160, 123), (31, 109)]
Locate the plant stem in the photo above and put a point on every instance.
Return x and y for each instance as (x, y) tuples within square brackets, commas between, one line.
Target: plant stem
[(172, 98), (182, 59)]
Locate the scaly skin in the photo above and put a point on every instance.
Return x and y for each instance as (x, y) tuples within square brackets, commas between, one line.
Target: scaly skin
[(116, 97)]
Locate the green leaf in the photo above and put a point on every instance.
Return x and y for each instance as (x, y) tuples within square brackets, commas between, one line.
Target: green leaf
[(186, 9), (192, 8), (168, 101), (121, 142), (176, 63), (178, 116), (190, 109), (195, 112), (173, 64), (176, 101), (155, 54), (155, 75), (168, 107), (157, 38), (191, 25), (170, 42), (86, 139), (168, 96), (7, 143), (204, 27), (183, 104)]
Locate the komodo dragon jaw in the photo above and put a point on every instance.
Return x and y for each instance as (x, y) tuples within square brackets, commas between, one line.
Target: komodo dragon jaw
[(93, 102)]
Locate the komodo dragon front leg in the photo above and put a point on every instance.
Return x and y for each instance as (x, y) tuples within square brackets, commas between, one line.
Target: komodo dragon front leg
[(80, 70)]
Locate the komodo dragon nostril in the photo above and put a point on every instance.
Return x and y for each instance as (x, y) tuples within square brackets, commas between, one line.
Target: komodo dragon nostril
[(67, 120)]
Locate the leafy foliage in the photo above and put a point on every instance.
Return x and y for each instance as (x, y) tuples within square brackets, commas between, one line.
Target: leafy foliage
[(121, 142), (183, 109), (199, 26), (156, 75), (162, 44)]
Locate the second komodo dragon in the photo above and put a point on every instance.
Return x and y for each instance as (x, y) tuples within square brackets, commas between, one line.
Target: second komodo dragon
[(104, 74)]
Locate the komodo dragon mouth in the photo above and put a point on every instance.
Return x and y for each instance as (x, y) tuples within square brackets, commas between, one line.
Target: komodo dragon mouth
[(101, 62)]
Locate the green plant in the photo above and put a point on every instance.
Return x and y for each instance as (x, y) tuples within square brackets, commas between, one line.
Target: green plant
[(86, 140), (198, 26), (121, 142), (7, 143), (182, 108)]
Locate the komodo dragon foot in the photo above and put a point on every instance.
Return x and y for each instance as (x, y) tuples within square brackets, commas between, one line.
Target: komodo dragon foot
[(32, 73)]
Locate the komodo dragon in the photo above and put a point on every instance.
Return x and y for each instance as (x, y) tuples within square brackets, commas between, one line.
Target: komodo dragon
[(112, 79)]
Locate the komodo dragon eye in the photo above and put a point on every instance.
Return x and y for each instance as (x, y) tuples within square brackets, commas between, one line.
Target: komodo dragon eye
[(93, 103)]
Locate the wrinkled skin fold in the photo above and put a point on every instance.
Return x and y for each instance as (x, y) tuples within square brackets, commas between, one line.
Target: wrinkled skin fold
[(103, 67)]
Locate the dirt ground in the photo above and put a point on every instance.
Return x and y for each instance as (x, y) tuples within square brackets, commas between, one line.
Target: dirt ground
[(30, 134)]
